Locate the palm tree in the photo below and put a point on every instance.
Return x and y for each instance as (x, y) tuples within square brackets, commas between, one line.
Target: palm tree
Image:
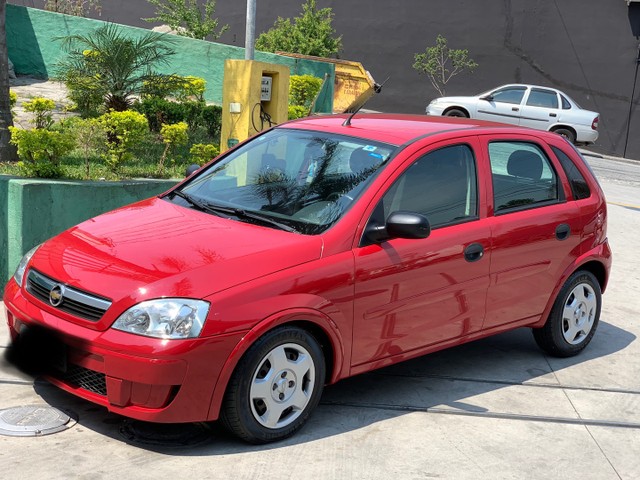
[(113, 65), (7, 150)]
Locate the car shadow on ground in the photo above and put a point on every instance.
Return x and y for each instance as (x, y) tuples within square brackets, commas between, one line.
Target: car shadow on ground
[(447, 381)]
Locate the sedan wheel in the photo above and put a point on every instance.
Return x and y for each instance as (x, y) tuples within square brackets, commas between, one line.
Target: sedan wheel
[(566, 133), (574, 317), (456, 112), (275, 386)]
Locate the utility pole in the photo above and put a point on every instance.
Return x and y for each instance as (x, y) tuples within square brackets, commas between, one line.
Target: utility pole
[(250, 38)]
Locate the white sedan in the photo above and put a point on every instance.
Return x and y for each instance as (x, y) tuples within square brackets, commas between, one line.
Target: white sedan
[(531, 106)]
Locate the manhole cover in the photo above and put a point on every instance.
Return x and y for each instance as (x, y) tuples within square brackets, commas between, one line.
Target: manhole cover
[(165, 434), (33, 420)]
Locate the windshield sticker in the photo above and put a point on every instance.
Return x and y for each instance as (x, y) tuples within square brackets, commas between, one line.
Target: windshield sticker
[(369, 148)]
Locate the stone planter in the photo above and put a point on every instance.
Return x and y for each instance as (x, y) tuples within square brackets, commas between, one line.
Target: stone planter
[(33, 210)]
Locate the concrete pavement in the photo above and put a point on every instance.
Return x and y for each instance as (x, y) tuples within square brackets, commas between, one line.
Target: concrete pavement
[(496, 408)]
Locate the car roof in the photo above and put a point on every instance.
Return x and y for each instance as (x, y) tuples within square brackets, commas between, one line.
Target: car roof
[(395, 129)]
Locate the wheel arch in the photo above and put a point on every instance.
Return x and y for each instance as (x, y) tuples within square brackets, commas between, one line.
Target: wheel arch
[(317, 324), (456, 107), (559, 126)]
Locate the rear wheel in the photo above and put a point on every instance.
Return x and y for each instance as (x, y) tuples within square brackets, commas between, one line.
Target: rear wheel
[(566, 133), (275, 386), (456, 112), (574, 317)]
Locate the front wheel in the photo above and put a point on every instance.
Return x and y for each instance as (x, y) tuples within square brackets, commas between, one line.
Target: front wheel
[(574, 317), (275, 386)]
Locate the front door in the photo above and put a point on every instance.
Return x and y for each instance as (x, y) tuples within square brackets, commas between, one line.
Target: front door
[(411, 293), (502, 105)]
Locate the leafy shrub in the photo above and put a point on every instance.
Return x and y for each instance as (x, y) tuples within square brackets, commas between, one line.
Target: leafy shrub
[(40, 150), (176, 86), (297, 111), (173, 136), (160, 111), (13, 99), (303, 89), (42, 108), (90, 139), (201, 153), (86, 93), (123, 130)]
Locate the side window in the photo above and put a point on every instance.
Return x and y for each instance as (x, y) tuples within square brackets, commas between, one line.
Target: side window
[(509, 95), (565, 103), (522, 176), (579, 186), (441, 185), (542, 98)]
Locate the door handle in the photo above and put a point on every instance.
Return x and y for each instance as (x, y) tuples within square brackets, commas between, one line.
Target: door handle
[(553, 115), (473, 252), (563, 231), (515, 109)]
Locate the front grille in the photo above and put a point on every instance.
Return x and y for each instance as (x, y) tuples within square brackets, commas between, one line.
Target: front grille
[(75, 302), (87, 379)]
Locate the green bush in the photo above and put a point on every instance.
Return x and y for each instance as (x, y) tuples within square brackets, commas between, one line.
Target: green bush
[(13, 99), (124, 130), (303, 89), (42, 108), (90, 138), (86, 93), (173, 136), (40, 151), (297, 111), (201, 153), (160, 111)]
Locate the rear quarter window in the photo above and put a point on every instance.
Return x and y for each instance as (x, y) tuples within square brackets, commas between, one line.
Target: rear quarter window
[(579, 186)]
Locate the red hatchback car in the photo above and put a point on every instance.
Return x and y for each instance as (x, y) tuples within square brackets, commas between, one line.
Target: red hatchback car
[(317, 250)]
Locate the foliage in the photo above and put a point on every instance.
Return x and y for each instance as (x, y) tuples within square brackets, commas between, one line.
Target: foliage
[(186, 18), (40, 150), (177, 86), (123, 130), (42, 108), (109, 63), (13, 99), (172, 135), (201, 153), (78, 8), (197, 114), (85, 92), (440, 63), (303, 89), (309, 34), (89, 136), (297, 111)]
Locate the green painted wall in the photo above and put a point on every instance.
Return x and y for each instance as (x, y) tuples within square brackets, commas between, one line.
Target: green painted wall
[(34, 210), (32, 47)]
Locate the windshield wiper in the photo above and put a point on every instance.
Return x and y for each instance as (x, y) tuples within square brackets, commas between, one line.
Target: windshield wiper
[(250, 214), (196, 203), (236, 212)]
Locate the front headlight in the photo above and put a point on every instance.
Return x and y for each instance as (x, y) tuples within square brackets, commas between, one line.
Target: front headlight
[(170, 318), (22, 266)]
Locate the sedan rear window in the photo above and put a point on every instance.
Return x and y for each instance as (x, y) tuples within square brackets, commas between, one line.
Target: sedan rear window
[(542, 98)]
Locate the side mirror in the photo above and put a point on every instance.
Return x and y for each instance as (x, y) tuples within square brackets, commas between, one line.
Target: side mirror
[(488, 98), (191, 169), (400, 224)]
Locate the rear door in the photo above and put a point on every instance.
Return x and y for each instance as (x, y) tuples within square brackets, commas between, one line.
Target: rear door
[(411, 293), (541, 109), (535, 231)]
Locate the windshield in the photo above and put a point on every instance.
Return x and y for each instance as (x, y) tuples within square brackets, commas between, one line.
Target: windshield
[(297, 180)]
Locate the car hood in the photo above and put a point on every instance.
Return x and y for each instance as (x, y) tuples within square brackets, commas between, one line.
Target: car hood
[(158, 249)]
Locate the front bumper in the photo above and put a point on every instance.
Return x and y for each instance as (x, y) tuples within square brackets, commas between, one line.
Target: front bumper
[(167, 381)]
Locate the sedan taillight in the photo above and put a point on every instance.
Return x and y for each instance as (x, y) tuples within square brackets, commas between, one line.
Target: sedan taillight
[(594, 124)]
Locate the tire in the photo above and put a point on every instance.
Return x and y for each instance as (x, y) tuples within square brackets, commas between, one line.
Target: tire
[(275, 386), (456, 112), (574, 317), (566, 133)]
